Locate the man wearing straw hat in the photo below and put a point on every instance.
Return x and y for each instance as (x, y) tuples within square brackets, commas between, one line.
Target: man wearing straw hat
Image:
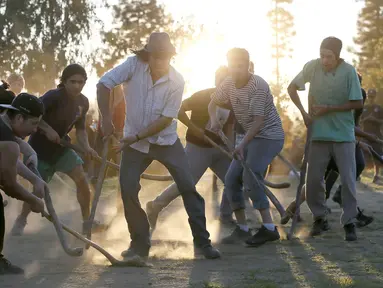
[(153, 90)]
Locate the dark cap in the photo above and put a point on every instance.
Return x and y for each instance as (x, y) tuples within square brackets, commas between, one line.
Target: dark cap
[(27, 104), (332, 43)]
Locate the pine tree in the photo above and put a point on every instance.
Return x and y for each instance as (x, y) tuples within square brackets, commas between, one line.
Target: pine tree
[(370, 41), (282, 22), (134, 21)]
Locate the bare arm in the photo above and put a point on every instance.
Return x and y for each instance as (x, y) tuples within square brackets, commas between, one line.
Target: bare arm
[(212, 108), (350, 105), (253, 131), (293, 92), (103, 94), (44, 127), (373, 138), (155, 127), (27, 174), (82, 138)]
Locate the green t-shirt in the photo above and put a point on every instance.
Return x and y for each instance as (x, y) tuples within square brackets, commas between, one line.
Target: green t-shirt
[(331, 88)]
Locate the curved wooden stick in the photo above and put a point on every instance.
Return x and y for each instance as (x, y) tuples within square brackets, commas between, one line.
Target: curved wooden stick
[(282, 185), (97, 194), (247, 168), (137, 262), (115, 166), (55, 220), (291, 166)]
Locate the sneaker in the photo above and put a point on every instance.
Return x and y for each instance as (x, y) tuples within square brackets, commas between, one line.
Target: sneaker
[(363, 220), (337, 198), (152, 213), (319, 226), (97, 227), (7, 267), (18, 226), (237, 236), (350, 232), (262, 236), (132, 253), (209, 252)]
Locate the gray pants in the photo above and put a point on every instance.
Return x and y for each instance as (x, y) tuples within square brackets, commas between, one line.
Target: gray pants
[(173, 157), (200, 159), (319, 157)]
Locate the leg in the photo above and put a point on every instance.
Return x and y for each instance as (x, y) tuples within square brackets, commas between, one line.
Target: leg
[(319, 156), (9, 153), (133, 164), (175, 160), (71, 164), (220, 166), (260, 153), (199, 160), (344, 154)]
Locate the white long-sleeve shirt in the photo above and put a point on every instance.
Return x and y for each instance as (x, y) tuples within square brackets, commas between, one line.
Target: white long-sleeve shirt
[(146, 102)]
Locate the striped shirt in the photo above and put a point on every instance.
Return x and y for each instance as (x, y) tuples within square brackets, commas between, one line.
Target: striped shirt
[(146, 102), (254, 99)]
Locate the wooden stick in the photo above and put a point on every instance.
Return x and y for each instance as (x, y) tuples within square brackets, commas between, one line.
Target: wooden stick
[(247, 168), (283, 185), (136, 262), (97, 194), (300, 186), (55, 220), (115, 166)]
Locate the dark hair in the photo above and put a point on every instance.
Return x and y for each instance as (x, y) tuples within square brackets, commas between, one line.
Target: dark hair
[(69, 71), (142, 54), (238, 52), (13, 113)]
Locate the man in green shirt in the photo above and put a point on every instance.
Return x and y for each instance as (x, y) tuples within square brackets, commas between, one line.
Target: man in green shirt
[(334, 94)]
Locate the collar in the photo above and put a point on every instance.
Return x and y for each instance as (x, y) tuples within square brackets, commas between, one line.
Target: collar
[(171, 76)]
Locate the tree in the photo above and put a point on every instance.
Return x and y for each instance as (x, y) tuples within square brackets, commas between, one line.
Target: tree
[(282, 25), (133, 22), (370, 40), (40, 37)]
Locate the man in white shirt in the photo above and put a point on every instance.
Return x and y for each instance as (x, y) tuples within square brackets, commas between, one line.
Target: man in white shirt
[(153, 92)]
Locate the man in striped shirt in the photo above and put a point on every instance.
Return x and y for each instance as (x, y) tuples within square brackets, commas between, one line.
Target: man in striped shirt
[(250, 98)]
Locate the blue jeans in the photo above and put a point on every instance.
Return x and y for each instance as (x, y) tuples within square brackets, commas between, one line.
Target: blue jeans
[(173, 157), (258, 155), (200, 158)]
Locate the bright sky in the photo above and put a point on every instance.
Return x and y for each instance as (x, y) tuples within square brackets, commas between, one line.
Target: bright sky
[(243, 23)]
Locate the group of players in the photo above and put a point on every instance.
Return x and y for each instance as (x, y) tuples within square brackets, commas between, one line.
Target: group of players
[(241, 106)]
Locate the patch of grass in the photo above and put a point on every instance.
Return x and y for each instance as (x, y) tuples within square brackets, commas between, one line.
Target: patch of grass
[(213, 285)]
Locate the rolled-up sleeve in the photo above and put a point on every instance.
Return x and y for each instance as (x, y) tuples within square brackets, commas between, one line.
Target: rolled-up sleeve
[(305, 75), (173, 102), (119, 74)]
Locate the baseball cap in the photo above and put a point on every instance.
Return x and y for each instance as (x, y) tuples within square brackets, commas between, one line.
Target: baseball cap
[(27, 104)]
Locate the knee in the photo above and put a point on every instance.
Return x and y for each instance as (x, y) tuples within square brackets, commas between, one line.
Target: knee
[(79, 177)]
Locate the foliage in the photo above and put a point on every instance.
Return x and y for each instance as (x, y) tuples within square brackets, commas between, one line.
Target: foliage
[(40, 37)]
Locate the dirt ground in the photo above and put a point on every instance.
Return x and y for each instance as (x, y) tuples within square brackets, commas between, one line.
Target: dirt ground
[(326, 261)]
